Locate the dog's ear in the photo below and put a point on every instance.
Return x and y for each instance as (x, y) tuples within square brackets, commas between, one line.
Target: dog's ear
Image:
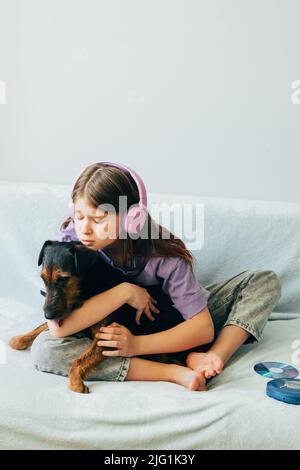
[(84, 259), (41, 255)]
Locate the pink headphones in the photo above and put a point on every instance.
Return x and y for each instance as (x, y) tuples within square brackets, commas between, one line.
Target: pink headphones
[(134, 219)]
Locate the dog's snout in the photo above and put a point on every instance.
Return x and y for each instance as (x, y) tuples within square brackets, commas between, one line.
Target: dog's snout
[(52, 316), (52, 313)]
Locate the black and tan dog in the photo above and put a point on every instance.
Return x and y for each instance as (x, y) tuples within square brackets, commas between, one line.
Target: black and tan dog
[(73, 273)]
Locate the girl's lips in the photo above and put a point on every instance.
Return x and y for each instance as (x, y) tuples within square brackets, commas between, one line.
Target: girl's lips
[(87, 242)]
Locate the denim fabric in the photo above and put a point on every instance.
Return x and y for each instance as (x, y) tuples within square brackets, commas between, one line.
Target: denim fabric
[(245, 300)]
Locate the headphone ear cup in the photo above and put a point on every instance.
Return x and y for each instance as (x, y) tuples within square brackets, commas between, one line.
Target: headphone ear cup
[(135, 219)]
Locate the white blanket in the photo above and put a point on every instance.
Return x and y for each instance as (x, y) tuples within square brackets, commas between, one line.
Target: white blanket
[(38, 411)]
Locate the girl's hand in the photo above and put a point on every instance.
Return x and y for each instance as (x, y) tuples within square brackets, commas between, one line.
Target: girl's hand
[(139, 298), (118, 336)]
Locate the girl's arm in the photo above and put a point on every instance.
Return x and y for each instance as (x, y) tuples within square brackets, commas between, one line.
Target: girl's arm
[(92, 311), (193, 332)]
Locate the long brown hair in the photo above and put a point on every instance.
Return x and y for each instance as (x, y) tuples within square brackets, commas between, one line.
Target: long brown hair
[(102, 184)]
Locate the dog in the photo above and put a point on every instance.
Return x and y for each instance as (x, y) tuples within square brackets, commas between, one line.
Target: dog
[(73, 273)]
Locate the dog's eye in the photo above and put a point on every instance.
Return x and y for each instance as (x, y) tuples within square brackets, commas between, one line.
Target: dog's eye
[(62, 280)]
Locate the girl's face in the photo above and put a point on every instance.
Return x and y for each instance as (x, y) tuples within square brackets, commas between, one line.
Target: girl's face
[(95, 227)]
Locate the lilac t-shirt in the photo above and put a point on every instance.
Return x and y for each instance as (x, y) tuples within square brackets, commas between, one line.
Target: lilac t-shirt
[(174, 273)]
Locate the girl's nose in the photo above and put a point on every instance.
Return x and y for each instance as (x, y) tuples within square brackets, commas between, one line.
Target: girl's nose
[(86, 227)]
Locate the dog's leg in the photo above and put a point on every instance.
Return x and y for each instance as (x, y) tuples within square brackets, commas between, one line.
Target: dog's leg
[(26, 340), (83, 366)]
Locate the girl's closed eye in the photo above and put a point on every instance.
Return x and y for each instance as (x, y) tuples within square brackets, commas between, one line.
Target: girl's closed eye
[(97, 221)]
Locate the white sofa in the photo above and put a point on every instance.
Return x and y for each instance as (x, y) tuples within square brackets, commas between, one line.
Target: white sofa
[(38, 411)]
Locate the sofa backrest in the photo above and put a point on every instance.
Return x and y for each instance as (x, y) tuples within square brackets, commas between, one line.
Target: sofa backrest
[(239, 235)]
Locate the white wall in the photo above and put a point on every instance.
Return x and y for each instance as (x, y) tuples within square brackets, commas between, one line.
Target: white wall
[(194, 95)]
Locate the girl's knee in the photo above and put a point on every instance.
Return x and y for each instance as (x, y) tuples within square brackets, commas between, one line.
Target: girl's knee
[(270, 289), (273, 284), (39, 348), (45, 351)]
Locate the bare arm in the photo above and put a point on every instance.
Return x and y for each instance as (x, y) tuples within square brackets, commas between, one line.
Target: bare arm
[(92, 311), (188, 334)]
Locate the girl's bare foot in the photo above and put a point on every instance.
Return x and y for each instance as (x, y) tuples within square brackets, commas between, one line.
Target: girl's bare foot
[(187, 377), (208, 363)]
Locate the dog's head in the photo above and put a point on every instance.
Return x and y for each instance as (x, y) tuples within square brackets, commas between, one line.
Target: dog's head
[(64, 265)]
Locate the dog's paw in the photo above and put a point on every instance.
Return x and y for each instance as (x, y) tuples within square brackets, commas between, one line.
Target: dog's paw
[(19, 342), (79, 388)]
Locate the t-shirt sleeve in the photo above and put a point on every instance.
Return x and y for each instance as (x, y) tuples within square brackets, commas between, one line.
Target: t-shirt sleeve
[(180, 283)]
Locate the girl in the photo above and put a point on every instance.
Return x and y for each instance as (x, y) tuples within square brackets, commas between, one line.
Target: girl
[(216, 319)]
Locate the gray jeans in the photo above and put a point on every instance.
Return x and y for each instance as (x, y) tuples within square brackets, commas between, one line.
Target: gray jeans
[(245, 300)]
